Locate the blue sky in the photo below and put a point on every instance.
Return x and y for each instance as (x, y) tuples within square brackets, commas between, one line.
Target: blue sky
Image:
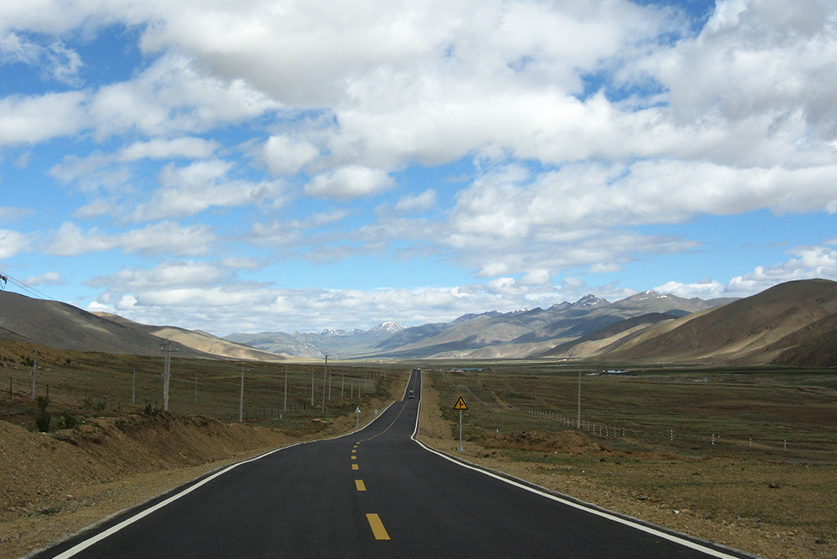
[(298, 165)]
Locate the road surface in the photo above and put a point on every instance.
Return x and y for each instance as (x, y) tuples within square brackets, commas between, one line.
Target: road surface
[(374, 493)]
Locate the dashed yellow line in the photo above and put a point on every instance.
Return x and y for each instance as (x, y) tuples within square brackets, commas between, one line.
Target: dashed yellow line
[(360, 485), (377, 526), (389, 426), (355, 467)]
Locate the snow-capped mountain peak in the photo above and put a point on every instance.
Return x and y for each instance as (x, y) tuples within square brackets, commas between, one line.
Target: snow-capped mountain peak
[(390, 327)]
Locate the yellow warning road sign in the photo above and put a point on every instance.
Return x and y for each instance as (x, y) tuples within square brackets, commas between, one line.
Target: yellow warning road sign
[(460, 404)]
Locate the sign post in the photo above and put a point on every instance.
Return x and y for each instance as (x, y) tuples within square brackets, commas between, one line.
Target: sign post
[(357, 417), (461, 406)]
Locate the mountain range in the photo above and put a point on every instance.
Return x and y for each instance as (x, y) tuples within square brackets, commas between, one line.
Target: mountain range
[(794, 324)]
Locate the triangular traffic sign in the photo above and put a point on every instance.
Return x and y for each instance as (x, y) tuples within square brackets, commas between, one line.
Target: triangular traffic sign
[(460, 404)]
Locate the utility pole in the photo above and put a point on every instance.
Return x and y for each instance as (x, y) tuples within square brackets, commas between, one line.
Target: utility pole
[(165, 347), (285, 403), (325, 375), (241, 399), (579, 400), (34, 372)]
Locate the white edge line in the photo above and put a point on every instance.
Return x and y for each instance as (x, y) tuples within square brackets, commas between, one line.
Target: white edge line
[(140, 515), (81, 546), (597, 512)]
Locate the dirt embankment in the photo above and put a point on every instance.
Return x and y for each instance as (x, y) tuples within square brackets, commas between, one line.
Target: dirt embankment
[(54, 485)]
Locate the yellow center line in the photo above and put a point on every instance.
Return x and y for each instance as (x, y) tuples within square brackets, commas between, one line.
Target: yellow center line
[(377, 526), (355, 467), (354, 451), (360, 485), (354, 457)]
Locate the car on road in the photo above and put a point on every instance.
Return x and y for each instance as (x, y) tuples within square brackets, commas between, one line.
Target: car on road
[(411, 395)]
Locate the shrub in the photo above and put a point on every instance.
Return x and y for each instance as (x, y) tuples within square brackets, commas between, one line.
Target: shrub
[(43, 402), (151, 409), (69, 421), (42, 422)]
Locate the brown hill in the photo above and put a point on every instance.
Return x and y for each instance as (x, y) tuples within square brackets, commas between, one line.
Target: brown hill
[(776, 325), (62, 326)]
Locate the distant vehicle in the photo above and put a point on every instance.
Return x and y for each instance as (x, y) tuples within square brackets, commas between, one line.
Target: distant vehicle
[(411, 395)]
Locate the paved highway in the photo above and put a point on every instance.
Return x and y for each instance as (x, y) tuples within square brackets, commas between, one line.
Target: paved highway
[(374, 493)]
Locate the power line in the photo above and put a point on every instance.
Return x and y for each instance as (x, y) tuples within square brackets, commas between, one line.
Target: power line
[(6, 278)]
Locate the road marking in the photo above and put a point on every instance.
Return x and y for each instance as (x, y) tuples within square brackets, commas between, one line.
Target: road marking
[(360, 485), (602, 513), (84, 544), (355, 467), (354, 457), (377, 527), (354, 451)]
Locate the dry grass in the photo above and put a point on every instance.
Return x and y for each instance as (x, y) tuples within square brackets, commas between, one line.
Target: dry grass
[(753, 502)]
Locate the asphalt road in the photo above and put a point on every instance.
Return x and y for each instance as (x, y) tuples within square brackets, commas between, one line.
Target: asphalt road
[(375, 493)]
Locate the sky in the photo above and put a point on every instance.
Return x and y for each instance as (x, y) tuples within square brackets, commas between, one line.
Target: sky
[(296, 165)]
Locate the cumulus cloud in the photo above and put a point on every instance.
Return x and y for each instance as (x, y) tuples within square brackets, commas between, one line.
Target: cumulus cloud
[(189, 190), (413, 203), (165, 237), (284, 155), (573, 127), (806, 262), (163, 148), (49, 278), (12, 242), (353, 181), (173, 97), (38, 118)]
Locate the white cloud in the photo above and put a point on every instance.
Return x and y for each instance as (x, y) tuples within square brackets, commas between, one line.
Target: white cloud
[(165, 237), (56, 60), (95, 208), (14, 48), (536, 277), (12, 243), (413, 203), (198, 186), (10, 213), (159, 148), (49, 278), (780, 54), (34, 119), (807, 262), (284, 155), (173, 97), (349, 182)]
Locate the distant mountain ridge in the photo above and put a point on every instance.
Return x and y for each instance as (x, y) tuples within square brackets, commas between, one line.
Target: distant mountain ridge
[(486, 335), (794, 324)]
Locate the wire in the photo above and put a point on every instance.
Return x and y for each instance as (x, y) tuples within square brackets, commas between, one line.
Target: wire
[(7, 278)]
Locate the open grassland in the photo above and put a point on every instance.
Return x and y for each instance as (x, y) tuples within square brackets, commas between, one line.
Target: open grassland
[(81, 384), (767, 485), (769, 413)]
